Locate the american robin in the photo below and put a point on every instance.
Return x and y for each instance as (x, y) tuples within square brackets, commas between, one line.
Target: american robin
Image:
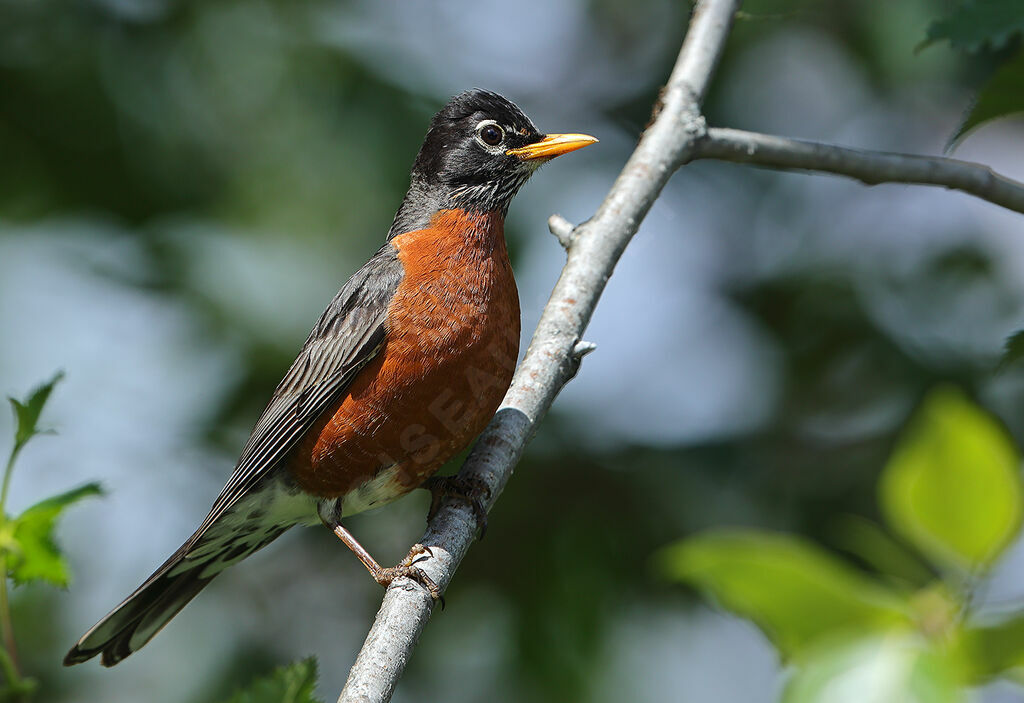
[(404, 368)]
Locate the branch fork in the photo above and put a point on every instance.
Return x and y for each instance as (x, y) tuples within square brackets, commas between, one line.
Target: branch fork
[(563, 230)]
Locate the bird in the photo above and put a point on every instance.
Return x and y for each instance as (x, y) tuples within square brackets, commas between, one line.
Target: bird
[(404, 368)]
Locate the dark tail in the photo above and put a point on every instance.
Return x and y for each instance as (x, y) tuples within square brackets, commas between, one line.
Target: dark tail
[(144, 613)]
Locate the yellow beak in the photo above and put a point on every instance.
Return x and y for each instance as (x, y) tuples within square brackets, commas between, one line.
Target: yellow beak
[(552, 145)]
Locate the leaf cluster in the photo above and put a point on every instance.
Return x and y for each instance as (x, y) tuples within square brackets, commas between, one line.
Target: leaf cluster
[(27, 540), (991, 27), (953, 500), (295, 683), (28, 550)]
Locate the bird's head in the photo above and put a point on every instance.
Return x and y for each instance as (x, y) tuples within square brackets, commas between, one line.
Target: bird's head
[(479, 151)]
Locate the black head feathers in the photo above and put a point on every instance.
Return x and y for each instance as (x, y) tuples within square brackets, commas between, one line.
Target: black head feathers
[(457, 151), (478, 152)]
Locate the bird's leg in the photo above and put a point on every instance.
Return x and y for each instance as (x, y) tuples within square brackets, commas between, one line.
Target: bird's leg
[(381, 574), (472, 490)]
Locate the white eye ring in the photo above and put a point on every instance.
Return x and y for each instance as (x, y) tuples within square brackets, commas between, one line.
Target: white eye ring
[(490, 133)]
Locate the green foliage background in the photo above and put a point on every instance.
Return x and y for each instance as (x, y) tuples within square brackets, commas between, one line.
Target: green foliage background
[(793, 409)]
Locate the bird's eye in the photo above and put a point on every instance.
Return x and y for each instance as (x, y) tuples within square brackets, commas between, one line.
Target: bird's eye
[(490, 134)]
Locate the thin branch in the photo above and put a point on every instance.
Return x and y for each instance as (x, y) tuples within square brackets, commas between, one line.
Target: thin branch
[(550, 362), (870, 167), (582, 348), (563, 230)]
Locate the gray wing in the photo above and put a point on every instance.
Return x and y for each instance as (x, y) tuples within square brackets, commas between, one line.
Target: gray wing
[(347, 336)]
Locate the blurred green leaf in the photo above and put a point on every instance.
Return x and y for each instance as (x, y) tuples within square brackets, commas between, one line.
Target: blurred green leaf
[(294, 683), (795, 591), (27, 412), (990, 650), (886, 669), (869, 541), (1002, 95), (978, 24), (952, 486), (32, 552)]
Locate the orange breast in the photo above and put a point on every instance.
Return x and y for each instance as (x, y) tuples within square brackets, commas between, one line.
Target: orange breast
[(450, 351)]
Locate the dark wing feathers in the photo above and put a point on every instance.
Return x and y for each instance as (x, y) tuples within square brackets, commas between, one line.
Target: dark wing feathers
[(346, 337)]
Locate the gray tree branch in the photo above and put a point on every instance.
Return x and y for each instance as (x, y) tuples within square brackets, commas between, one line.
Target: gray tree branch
[(554, 355), (676, 136), (870, 167)]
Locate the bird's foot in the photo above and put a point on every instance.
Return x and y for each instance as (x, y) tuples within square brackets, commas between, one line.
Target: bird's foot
[(385, 575), (471, 490)]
